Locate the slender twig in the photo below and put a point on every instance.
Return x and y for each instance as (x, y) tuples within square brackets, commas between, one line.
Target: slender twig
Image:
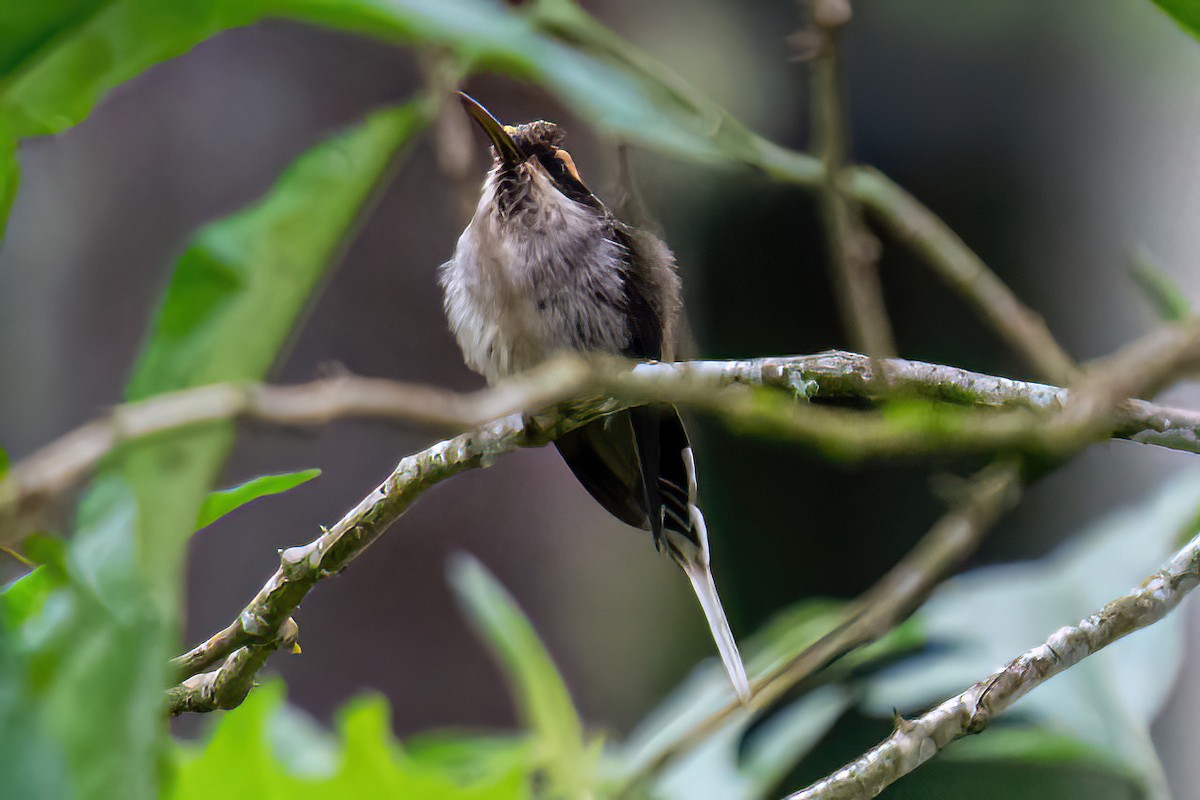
[(852, 248), (453, 138), (302, 567), (47, 473), (914, 742)]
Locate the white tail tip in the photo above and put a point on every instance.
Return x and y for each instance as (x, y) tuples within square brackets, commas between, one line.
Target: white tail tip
[(706, 591)]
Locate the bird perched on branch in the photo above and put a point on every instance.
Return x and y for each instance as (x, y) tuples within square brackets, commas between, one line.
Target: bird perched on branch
[(545, 267)]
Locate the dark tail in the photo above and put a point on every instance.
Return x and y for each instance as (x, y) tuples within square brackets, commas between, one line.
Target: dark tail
[(638, 464)]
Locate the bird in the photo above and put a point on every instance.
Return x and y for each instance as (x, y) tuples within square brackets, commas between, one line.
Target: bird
[(544, 267)]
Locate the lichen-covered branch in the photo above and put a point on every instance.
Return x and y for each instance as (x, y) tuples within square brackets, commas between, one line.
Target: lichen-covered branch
[(1132, 371), (47, 473), (916, 741), (302, 567)]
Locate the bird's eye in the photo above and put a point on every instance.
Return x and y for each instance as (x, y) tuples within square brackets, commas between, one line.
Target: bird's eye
[(569, 163)]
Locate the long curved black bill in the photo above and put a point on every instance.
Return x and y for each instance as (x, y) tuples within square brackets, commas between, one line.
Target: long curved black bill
[(503, 143)]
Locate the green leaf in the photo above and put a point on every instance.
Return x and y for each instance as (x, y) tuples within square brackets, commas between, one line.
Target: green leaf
[(241, 284), (97, 649), (601, 77), (542, 696), (1184, 12), (62, 61), (987, 617), (236, 762), (1160, 289), (58, 58), (4, 462), (244, 760), (233, 301), (220, 503), (90, 657)]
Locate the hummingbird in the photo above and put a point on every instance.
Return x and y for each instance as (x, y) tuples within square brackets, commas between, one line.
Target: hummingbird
[(545, 267)]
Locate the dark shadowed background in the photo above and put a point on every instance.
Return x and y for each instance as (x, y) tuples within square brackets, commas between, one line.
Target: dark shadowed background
[(1053, 143)]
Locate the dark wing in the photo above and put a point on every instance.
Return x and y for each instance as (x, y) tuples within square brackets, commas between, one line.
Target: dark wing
[(603, 456), (633, 462)]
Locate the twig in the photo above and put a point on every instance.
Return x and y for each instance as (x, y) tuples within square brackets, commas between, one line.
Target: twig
[(917, 741), (50, 471), (852, 249), (302, 567), (45, 474)]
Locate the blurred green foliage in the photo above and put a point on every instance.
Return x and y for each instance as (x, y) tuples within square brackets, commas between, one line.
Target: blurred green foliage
[(1159, 288), (1185, 12), (85, 637), (556, 732), (247, 758), (89, 664)]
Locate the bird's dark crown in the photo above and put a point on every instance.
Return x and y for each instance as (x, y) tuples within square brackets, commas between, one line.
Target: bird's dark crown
[(542, 141), (537, 138)]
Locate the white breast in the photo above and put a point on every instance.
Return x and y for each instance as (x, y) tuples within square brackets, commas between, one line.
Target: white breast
[(547, 279)]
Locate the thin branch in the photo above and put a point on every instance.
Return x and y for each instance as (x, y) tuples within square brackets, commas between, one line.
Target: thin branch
[(302, 567), (852, 249), (917, 741), (964, 271), (54, 469)]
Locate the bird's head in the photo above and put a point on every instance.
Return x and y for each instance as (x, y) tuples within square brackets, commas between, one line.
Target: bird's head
[(526, 157)]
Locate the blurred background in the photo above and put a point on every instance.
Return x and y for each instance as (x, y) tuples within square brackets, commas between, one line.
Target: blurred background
[(1053, 142)]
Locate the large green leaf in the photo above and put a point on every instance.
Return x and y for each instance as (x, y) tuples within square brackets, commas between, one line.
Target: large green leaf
[(542, 697), (95, 655), (61, 62), (220, 503), (233, 300), (58, 58), (604, 79), (987, 617), (244, 760), (85, 660), (1185, 12), (242, 282)]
